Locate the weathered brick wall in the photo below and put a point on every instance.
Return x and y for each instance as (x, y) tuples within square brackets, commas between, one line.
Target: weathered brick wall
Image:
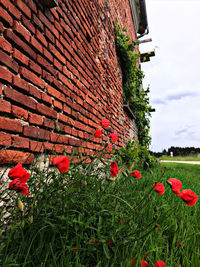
[(51, 59)]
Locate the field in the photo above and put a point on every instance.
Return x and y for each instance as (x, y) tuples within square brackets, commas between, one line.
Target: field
[(82, 218), (185, 158)]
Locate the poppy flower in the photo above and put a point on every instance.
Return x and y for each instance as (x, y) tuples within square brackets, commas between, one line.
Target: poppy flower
[(131, 261), (19, 187), (114, 137), (123, 221), (114, 169), (189, 197), (159, 188), (105, 123), (62, 163), (94, 241), (136, 174), (19, 172), (98, 133), (160, 263), (108, 147), (144, 263), (176, 185)]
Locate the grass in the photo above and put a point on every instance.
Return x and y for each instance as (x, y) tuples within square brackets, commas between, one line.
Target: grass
[(184, 158), (81, 218)]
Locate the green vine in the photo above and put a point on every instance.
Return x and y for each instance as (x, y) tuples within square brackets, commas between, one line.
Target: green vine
[(133, 92)]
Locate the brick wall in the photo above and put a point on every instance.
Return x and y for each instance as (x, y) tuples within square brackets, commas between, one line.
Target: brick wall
[(51, 60)]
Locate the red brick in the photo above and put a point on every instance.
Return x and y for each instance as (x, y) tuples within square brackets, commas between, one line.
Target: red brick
[(58, 138), (20, 113), (19, 97), (20, 57), (63, 117), (46, 64), (63, 78), (20, 141), (35, 67), (5, 139), (40, 36), (11, 8), (58, 104), (23, 7), (13, 157), (20, 83), (57, 64), (20, 43), (46, 111), (22, 31), (5, 75), (36, 146), (1, 88), (28, 24), (74, 132), (1, 27), (5, 17), (34, 91), (47, 76), (48, 146), (59, 148), (49, 123), (52, 91), (35, 119), (74, 142), (27, 74), (67, 109), (46, 98), (36, 45), (10, 125), (5, 106), (5, 45), (32, 5), (38, 22), (49, 35), (56, 53), (35, 132), (8, 61), (48, 55), (57, 25)]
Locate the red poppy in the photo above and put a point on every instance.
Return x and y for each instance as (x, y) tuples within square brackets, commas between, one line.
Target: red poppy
[(110, 242), (114, 169), (108, 147), (144, 263), (94, 241), (123, 221), (161, 170), (19, 187), (105, 123), (98, 133), (19, 172), (62, 163), (159, 188), (160, 263), (189, 197), (114, 137), (131, 261), (179, 244), (175, 184), (136, 174)]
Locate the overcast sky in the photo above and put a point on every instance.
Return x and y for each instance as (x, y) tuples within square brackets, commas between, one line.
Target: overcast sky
[(174, 73)]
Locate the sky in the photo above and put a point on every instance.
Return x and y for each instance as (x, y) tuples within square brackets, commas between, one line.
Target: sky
[(174, 73)]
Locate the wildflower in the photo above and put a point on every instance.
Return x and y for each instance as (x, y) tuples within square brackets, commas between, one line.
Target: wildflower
[(98, 133), (114, 137), (175, 184), (110, 242), (62, 163), (108, 147), (94, 241), (123, 221), (161, 170), (114, 169), (189, 197), (159, 188), (19, 187), (105, 123), (144, 263), (19, 172), (75, 249), (160, 263), (131, 261), (179, 244), (19, 177), (136, 174)]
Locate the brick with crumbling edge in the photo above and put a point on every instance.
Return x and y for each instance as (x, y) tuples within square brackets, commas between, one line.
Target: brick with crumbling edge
[(14, 157), (20, 83), (5, 45), (23, 7), (28, 24), (10, 125), (35, 119), (19, 113), (5, 139), (22, 31), (20, 142)]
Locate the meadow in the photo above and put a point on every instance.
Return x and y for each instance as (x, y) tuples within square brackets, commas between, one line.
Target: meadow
[(99, 211), (182, 158)]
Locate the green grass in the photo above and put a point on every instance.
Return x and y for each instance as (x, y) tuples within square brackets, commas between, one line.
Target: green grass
[(73, 209), (186, 158)]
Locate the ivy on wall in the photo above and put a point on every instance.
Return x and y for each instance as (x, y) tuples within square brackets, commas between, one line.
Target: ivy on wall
[(133, 92)]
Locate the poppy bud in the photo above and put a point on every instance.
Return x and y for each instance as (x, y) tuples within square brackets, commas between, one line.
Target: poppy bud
[(20, 205)]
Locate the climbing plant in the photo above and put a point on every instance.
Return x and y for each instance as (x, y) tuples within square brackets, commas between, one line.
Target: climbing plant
[(133, 92)]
